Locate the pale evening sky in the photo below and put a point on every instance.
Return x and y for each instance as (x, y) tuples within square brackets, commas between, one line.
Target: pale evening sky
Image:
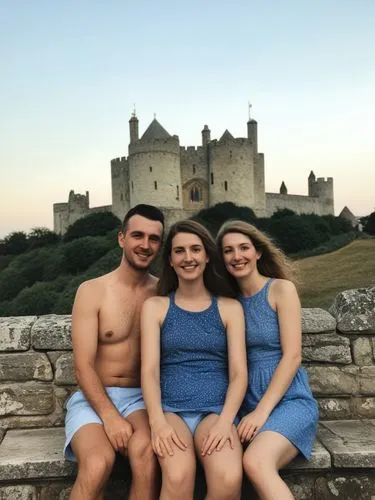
[(71, 71)]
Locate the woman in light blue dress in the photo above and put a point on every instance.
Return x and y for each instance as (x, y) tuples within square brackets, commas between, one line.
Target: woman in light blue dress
[(279, 413)]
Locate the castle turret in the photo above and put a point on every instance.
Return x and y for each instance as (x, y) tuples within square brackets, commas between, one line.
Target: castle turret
[(154, 168), (231, 170), (283, 189), (252, 134), (206, 136), (311, 182), (133, 128)]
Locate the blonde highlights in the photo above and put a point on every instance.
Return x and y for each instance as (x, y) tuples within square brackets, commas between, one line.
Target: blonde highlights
[(273, 263)]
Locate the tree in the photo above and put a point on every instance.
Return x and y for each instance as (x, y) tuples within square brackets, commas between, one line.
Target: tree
[(95, 224), (41, 237), (15, 243), (370, 224)]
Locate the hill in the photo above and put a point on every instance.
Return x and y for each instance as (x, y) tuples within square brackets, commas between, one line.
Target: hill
[(324, 276)]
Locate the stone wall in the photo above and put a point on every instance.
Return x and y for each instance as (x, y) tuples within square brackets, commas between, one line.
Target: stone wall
[(36, 378), (36, 372)]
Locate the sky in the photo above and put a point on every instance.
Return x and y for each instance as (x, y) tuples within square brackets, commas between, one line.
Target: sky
[(71, 72)]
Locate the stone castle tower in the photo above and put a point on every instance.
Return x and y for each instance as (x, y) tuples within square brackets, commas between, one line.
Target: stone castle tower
[(183, 180)]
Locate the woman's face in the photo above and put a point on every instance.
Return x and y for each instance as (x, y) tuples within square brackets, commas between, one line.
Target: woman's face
[(188, 256), (239, 254)]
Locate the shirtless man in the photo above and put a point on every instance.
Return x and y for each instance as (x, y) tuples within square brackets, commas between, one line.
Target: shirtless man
[(108, 414)]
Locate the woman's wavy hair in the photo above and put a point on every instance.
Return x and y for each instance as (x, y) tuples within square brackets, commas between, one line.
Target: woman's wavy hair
[(214, 276), (273, 263)]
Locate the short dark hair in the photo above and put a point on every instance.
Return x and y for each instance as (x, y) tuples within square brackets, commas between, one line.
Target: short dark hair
[(147, 211)]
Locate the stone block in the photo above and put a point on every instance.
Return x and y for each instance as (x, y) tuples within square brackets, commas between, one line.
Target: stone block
[(62, 394), (345, 487), (354, 310), (302, 487), (26, 399), (32, 454), (373, 347), (56, 491), (351, 443), (15, 333), (52, 332), (328, 348), (30, 421), (335, 408), (363, 407), (331, 380), (317, 321), (20, 492), (367, 380), (362, 352), (320, 459), (25, 366), (64, 374)]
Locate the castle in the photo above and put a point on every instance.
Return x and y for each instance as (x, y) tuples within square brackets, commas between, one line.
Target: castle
[(183, 180)]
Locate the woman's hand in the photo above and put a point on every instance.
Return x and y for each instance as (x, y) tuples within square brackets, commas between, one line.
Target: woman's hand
[(164, 437), (249, 426), (217, 436)]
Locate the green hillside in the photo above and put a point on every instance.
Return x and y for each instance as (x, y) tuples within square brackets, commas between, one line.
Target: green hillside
[(323, 276)]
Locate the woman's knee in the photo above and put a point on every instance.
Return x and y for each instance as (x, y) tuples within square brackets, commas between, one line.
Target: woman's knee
[(225, 485), (256, 466), (178, 477)]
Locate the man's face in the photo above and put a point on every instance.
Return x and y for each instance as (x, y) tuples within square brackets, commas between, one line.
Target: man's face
[(141, 241)]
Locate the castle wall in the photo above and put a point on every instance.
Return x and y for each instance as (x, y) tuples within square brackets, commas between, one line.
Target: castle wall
[(60, 217), (120, 186), (231, 172), (259, 206), (298, 203), (154, 173)]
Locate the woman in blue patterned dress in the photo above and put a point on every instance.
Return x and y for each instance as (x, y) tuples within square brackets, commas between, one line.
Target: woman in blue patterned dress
[(279, 413), (194, 372)]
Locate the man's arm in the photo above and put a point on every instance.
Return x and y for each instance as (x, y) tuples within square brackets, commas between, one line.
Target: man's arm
[(85, 330)]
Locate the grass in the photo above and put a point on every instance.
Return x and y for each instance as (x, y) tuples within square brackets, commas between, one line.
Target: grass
[(324, 276)]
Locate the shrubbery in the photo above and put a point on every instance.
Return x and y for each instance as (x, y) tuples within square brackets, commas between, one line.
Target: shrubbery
[(45, 278), (95, 224)]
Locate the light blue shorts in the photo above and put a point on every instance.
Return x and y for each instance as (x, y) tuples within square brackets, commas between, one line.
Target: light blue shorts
[(79, 411), (191, 418)]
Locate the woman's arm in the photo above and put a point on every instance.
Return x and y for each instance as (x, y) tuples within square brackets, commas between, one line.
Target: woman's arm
[(162, 434), (232, 314), (288, 310), (284, 297)]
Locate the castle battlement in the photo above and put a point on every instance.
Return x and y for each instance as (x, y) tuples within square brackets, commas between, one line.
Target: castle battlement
[(121, 159), (323, 180), (235, 141)]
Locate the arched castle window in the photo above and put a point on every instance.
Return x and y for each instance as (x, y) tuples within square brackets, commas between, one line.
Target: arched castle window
[(150, 169), (155, 184), (194, 169), (195, 194), (226, 185), (212, 178), (177, 192)]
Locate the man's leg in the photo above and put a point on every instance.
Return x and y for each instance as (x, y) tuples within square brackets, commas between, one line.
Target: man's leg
[(143, 462), (95, 457)]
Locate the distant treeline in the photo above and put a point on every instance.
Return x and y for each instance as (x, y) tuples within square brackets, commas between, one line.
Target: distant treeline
[(40, 272)]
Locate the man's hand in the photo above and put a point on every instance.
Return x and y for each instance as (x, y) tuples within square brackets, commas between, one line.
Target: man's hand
[(118, 431)]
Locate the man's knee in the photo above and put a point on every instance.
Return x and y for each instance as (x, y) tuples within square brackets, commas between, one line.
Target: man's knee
[(140, 450), (97, 466)]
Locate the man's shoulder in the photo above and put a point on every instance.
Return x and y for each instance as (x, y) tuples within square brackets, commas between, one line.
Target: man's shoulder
[(94, 285)]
